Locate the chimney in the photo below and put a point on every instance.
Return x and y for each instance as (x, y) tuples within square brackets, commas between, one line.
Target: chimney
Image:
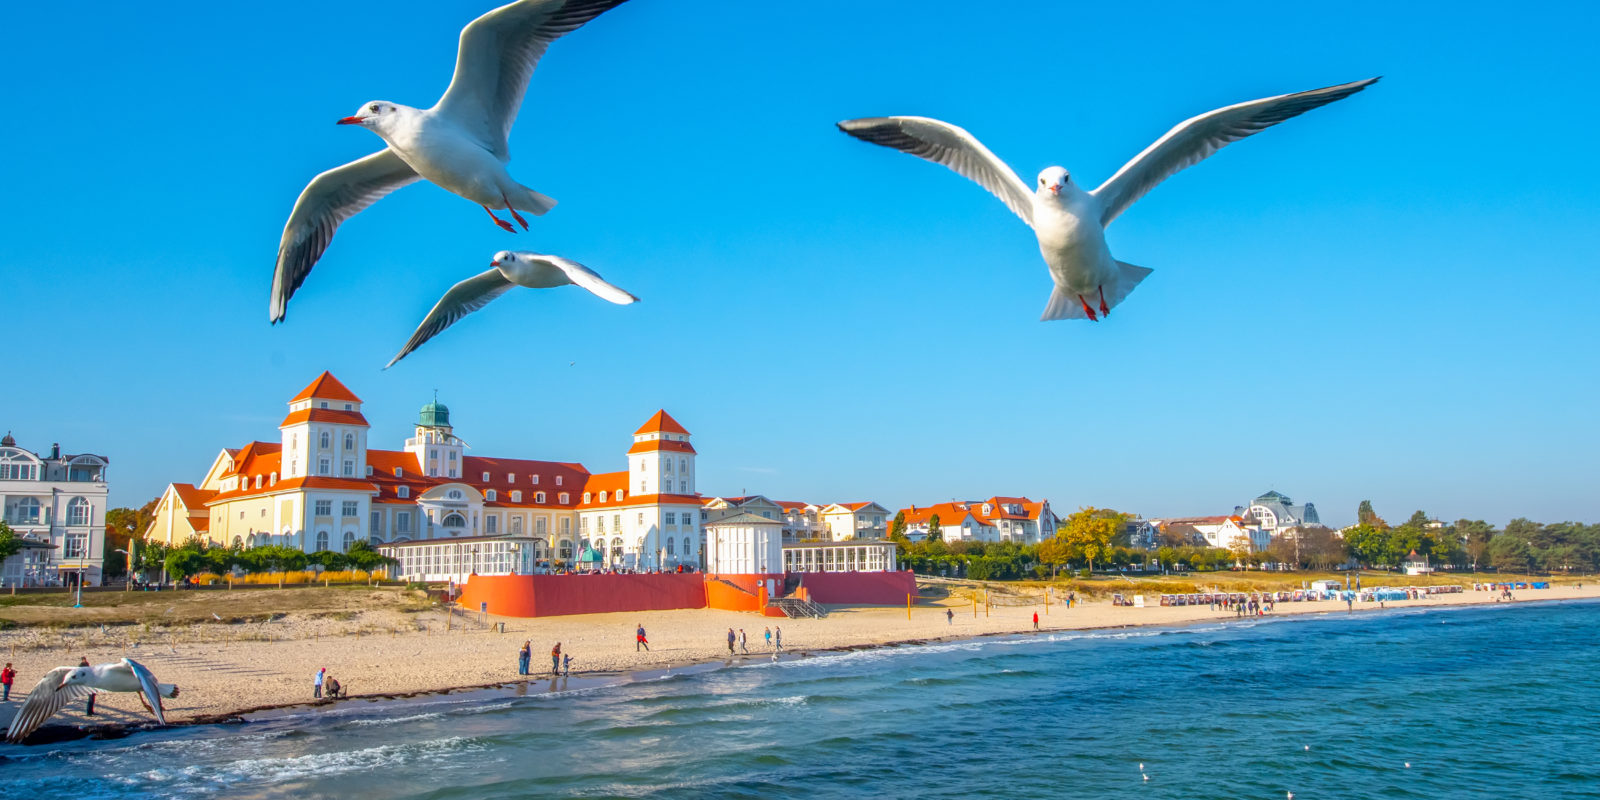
[(55, 450)]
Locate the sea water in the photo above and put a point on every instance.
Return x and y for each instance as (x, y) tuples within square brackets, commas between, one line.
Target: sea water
[(1493, 701)]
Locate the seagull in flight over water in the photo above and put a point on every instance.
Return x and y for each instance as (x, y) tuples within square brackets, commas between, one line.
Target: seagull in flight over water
[(459, 144), (62, 685), (507, 270), (1070, 222)]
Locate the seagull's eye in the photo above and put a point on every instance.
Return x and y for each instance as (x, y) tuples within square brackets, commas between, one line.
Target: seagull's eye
[(373, 108)]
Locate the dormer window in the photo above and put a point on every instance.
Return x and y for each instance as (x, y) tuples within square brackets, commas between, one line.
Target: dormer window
[(369, 470), (565, 498), (538, 497), (398, 471), (258, 481), (558, 480), (619, 495), (516, 496), (535, 479), (402, 492), (511, 477), (489, 495), (324, 404), (485, 477), (273, 480), (585, 497), (349, 407)]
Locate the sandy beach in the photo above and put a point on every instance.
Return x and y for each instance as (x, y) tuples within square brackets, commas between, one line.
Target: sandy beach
[(225, 669)]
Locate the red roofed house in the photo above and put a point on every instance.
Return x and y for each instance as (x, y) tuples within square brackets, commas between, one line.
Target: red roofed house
[(321, 487), (998, 519)]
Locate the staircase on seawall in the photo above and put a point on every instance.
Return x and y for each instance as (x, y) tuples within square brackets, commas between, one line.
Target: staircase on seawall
[(794, 607)]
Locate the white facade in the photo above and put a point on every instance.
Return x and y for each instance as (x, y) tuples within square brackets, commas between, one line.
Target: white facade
[(744, 544), (59, 503), (439, 560), (853, 556)]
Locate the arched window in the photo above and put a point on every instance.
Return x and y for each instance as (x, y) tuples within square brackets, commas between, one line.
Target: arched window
[(616, 551), (374, 540), (238, 543), (490, 495), (454, 520), (566, 550), (349, 441), (602, 497), (516, 526), (349, 539), (538, 497), (671, 545), (78, 511), (322, 540), (324, 440)]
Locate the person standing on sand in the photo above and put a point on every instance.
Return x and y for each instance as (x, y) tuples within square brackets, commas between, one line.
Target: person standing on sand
[(949, 617), (743, 642), (730, 641), (777, 636), (639, 640), (524, 656), (566, 665), (316, 683), (768, 634), (1036, 620), (8, 675), (555, 659)]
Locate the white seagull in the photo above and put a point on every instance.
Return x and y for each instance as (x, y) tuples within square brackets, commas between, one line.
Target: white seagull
[(459, 144), (1069, 222), (508, 269), (62, 685)]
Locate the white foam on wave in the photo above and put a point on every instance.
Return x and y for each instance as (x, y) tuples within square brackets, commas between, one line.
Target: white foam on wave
[(219, 777)]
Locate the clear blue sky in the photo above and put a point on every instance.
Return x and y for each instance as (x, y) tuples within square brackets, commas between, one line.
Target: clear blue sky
[(1388, 298)]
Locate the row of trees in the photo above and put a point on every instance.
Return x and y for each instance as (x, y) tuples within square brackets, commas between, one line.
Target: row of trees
[(1524, 545), (195, 557)]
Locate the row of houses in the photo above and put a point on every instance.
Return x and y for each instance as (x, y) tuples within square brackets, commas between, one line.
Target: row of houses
[(1251, 526)]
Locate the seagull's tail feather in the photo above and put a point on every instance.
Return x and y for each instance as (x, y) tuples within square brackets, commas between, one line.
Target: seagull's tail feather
[(1128, 276), (528, 200), (1062, 306)]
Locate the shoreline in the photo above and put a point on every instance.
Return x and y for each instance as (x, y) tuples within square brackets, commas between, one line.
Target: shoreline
[(126, 717)]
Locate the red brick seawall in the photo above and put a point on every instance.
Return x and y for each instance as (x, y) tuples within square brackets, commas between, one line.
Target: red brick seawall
[(859, 588)]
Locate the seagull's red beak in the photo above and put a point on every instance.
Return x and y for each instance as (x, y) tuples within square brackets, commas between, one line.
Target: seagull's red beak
[(1056, 189), (494, 263), (349, 121)]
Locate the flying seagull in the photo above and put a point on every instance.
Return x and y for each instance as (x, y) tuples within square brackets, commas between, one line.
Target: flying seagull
[(508, 269), (459, 144), (62, 685), (1069, 222)]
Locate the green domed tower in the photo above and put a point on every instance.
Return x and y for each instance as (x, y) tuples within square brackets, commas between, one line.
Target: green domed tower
[(439, 453), (434, 415)]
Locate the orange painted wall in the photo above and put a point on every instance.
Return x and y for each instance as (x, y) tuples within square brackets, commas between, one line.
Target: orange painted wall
[(728, 598)]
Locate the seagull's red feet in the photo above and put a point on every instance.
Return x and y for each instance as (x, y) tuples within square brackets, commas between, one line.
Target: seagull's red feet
[(1103, 309), (1087, 309), (514, 214), (506, 226)]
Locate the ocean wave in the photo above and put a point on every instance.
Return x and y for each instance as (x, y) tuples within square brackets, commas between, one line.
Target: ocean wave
[(216, 778)]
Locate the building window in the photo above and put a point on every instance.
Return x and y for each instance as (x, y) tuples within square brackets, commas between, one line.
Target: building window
[(516, 496), (452, 472), (666, 465), (491, 524), (683, 465), (349, 539), (602, 497), (402, 492), (485, 477), (538, 497), (511, 477), (616, 524), (324, 508), (402, 521), (78, 511), (349, 468), (641, 519), (323, 404), (558, 480), (641, 487), (322, 540), (350, 508), (671, 543), (566, 526), (538, 526), (76, 545), (324, 467), (377, 522), (490, 495), (452, 455), (272, 480), (454, 494), (349, 442), (14, 471), (535, 479), (516, 526), (683, 487), (323, 439), (566, 550), (454, 520), (565, 498), (585, 497)]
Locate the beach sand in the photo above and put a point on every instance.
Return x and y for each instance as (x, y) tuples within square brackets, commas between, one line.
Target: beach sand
[(225, 669)]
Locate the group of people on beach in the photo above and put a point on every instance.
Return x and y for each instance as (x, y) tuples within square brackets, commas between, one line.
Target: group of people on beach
[(325, 685), (1246, 607), (559, 664), (773, 635)]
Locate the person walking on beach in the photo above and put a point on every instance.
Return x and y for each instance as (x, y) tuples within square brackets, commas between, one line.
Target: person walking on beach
[(777, 636), (566, 665), (768, 634), (1036, 620), (730, 641), (316, 682), (949, 617), (743, 642), (555, 659), (524, 656), (639, 640), (8, 675)]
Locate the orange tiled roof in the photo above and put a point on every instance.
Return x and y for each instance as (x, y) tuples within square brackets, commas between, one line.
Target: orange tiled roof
[(326, 387), (653, 445), (337, 416), (313, 482), (256, 458), (662, 422), (192, 496), (855, 506), (948, 513)]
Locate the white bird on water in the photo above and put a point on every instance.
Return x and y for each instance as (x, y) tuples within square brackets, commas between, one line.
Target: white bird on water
[(508, 269), (459, 144), (62, 685), (1069, 222)]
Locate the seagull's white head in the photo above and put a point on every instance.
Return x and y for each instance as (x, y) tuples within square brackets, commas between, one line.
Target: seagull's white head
[(373, 114), (1053, 180), (79, 675), (504, 258)]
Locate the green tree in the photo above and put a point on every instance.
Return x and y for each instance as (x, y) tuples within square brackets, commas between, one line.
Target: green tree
[(10, 543), (1371, 545), (1055, 552), (1366, 516), (124, 526), (1475, 538), (1091, 531), (183, 562), (1510, 553), (935, 532), (328, 559), (897, 527)]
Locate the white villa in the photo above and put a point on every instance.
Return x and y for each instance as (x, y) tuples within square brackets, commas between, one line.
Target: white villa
[(998, 519), (57, 505)]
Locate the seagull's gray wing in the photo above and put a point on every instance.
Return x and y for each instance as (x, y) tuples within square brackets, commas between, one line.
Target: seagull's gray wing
[(462, 299), (588, 279), (943, 143), (149, 687), (496, 57), (1195, 139), (43, 702), (330, 199)]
